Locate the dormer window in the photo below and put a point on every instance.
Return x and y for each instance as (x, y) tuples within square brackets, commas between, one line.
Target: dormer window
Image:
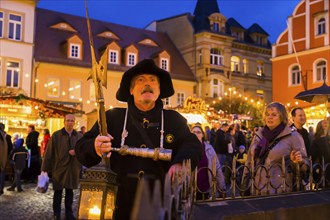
[(108, 34), (259, 40), (63, 26), (74, 47), (149, 42), (216, 27), (113, 56), (164, 64), (238, 35), (131, 59), (74, 51)]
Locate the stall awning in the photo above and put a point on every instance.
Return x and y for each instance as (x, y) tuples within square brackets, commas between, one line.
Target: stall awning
[(21, 105)]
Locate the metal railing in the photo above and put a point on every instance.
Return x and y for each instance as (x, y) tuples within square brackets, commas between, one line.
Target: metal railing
[(244, 181)]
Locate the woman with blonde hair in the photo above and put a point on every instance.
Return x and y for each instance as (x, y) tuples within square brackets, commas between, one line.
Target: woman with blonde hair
[(270, 144)]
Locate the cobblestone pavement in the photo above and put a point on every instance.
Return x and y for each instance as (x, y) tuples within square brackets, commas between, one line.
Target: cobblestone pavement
[(30, 204)]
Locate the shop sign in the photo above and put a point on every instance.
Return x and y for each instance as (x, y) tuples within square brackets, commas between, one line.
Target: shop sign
[(194, 105), (7, 109)]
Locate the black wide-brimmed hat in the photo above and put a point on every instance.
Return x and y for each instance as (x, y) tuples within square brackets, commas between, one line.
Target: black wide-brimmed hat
[(146, 66)]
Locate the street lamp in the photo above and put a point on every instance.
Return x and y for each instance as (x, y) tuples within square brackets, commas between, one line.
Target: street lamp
[(230, 100), (98, 190)]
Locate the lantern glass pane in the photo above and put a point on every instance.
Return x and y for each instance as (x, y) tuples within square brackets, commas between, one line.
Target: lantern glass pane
[(90, 205), (109, 205)]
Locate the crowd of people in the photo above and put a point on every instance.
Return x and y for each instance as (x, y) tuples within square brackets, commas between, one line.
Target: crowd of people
[(144, 123)]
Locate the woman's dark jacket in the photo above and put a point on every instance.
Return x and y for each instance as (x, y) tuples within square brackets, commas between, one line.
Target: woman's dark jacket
[(177, 137)]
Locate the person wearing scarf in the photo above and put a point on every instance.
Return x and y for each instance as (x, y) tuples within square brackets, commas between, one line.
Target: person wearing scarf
[(270, 144)]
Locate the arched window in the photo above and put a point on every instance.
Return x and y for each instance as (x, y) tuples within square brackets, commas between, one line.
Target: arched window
[(234, 64), (295, 76), (215, 57), (321, 71), (321, 26)]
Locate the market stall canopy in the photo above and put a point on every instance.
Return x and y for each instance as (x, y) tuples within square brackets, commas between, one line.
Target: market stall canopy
[(317, 95), (33, 107)]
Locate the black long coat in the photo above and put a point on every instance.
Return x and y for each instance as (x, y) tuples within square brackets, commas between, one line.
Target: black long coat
[(177, 137)]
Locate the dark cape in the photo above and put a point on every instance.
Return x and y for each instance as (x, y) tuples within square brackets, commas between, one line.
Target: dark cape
[(177, 137)]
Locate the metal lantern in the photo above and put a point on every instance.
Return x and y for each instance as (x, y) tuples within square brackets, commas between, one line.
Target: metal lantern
[(98, 190)]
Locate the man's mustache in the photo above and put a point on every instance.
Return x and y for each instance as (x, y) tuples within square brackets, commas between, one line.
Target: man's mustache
[(147, 89)]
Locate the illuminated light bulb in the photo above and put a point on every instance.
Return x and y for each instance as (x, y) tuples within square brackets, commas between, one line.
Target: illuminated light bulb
[(213, 102), (36, 107), (288, 104), (72, 97), (36, 80), (54, 89), (80, 99), (296, 103), (63, 93), (111, 107), (88, 102), (226, 93), (46, 85), (27, 75)]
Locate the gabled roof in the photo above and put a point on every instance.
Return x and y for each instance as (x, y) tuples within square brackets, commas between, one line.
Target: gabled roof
[(255, 28), (49, 41), (231, 22)]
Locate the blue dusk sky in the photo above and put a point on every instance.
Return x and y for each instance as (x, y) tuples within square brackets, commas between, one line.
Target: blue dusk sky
[(271, 15)]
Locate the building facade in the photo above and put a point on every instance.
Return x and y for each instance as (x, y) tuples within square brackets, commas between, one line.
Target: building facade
[(301, 55), (225, 57), (17, 42), (63, 59)]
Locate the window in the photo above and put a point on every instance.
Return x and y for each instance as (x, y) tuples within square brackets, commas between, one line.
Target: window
[(200, 57), (131, 59), (245, 66), (166, 101), (15, 27), (321, 70), (1, 24), (53, 87), (237, 35), (113, 56), (260, 94), (259, 40), (260, 68), (216, 27), (295, 76), (321, 26), (12, 77), (180, 100), (74, 89), (75, 51), (164, 64), (234, 66), (92, 92), (216, 58), (216, 88)]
